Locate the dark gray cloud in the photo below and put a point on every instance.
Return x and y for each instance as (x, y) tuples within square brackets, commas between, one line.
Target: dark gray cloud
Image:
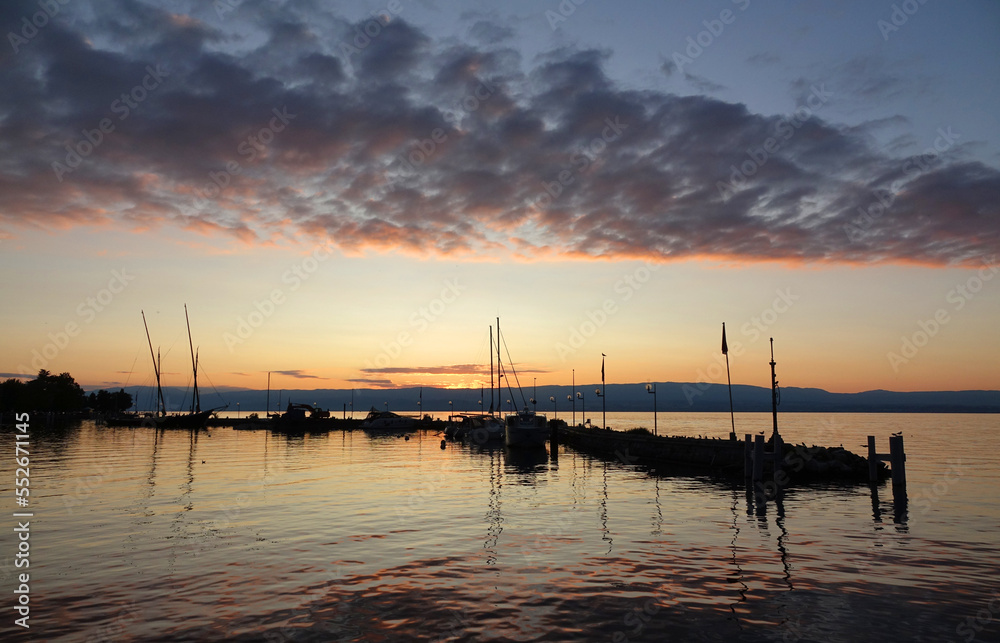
[(266, 123), (487, 32), (298, 374)]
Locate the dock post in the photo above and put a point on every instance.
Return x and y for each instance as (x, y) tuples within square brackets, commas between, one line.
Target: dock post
[(758, 458), (873, 460), (747, 457), (896, 460)]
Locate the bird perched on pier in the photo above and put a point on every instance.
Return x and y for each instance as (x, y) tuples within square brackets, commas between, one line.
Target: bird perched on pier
[(897, 435)]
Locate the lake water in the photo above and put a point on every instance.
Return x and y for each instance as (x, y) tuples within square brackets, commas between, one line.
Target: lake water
[(140, 535)]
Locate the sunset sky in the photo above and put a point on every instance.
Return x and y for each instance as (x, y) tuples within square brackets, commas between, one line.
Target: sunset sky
[(349, 194)]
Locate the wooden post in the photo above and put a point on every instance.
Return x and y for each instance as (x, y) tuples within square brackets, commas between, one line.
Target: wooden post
[(873, 460), (747, 457), (758, 458), (896, 460)]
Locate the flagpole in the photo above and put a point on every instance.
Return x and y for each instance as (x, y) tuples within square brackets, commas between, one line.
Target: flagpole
[(732, 415)]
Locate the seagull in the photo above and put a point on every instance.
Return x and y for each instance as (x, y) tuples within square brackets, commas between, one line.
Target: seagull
[(897, 435)]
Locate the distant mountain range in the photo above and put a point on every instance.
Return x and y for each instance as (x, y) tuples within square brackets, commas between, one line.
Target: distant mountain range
[(670, 397)]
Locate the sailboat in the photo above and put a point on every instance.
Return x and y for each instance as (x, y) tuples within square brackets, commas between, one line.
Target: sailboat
[(524, 428), (195, 419)]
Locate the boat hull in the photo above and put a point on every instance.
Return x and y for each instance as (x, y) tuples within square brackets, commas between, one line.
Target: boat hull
[(185, 421), (480, 429), (395, 424), (526, 431)]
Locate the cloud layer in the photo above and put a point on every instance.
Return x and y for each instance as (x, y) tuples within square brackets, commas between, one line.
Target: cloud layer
[(266, 123)]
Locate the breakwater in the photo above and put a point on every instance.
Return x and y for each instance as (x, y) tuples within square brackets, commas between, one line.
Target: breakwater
[(716, 456)]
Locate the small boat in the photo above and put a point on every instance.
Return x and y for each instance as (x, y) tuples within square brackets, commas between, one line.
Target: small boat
[(299, 418), (526, 429), (477, 427), (388, 420)]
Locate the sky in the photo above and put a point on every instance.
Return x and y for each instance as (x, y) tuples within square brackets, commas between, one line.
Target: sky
[(348, 195)]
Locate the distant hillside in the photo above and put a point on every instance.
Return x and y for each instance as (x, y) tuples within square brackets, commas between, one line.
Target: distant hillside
[(671, 397)]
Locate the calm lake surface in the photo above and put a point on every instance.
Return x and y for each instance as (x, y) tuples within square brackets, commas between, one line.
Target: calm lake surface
[(141, 535)]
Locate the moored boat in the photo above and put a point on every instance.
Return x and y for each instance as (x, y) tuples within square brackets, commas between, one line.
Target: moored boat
[(195, 419), (388, 420), (526, 429), (478, 427)]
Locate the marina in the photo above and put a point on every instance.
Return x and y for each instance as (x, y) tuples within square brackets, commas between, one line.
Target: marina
[(354, 536), (313, 208)]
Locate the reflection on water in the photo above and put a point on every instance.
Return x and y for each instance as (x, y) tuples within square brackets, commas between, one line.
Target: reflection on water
[(144, 535)]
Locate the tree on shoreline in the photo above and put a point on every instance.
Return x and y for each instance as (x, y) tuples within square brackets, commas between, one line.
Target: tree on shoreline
[(47, 392), (106, 402)]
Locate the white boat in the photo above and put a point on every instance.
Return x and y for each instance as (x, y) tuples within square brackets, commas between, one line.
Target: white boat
[(526, 429)]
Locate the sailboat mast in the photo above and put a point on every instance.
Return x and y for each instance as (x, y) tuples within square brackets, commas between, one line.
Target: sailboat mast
[(156, 368), (267, 413), (774, 393), (491, 369), (159, 389), (195, 400), (499, 362)]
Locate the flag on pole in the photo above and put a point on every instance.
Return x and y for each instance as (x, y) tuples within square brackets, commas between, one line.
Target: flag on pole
[(602, 367), (725, 346)]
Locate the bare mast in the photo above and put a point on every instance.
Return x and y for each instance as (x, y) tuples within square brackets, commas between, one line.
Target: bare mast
[(491, 369), (161, 408), (196, 400), (499, 363)]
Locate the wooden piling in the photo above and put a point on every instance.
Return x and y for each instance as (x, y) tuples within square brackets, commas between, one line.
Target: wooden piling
[(872, 460), (747, 456), (758, 458), (897, 459)]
